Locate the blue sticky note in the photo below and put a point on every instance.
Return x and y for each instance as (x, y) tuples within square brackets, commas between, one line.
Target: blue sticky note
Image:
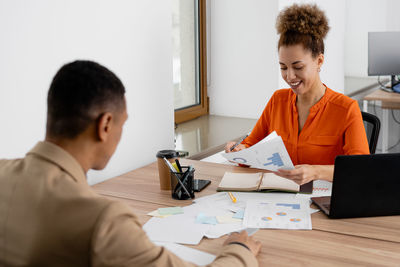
[(239, 214), (204, 219), (170, 211)]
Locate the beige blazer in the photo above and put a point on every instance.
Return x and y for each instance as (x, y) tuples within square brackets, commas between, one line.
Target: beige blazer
[(49, 216)]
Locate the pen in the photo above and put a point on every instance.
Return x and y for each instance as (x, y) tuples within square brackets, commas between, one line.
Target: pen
[(172, 169), (232, 197), (178, 164), (238, 142), (185, 176), (175, 166)]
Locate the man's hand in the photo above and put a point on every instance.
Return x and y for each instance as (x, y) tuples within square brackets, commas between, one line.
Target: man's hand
[(242, 237)]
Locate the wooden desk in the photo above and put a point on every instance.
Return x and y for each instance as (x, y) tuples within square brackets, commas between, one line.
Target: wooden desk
[(360, 241), (388, 101)]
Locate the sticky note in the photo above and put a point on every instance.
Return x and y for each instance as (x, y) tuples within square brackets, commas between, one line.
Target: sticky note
[(170, 211), (239, 214), (155, 213), (204, 219), (227, 219)]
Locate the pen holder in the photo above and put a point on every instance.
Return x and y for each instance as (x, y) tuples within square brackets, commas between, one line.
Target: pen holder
[(182, 189)]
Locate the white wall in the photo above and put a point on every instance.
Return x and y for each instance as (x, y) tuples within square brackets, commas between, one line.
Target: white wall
[(242, 56), (363, 16), (332, 71), (132, 38)]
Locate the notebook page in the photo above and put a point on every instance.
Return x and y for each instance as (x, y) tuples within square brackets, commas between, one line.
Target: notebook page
[(273, 181), (240, 180)]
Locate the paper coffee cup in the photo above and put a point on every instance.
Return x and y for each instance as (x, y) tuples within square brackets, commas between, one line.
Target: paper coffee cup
[(163, 169)]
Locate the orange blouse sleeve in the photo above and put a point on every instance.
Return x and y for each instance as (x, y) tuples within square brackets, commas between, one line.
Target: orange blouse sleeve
[(355, 138)]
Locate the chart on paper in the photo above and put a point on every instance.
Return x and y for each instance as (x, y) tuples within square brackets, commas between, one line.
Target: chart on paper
[(277, 215), (270, 154)]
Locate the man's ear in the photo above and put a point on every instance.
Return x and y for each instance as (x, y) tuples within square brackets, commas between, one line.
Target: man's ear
[(103, 127)]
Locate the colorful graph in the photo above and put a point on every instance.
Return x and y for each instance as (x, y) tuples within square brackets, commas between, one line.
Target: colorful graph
[(239, 160), (275, 160), (266, 218), (281, 213), (293, 206), (295, 220)]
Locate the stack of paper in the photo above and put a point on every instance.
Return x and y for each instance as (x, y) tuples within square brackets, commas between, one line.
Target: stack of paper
[(269, 154), (216, 215)]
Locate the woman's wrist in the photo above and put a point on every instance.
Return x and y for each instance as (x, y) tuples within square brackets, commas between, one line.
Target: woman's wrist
[(324, 172)]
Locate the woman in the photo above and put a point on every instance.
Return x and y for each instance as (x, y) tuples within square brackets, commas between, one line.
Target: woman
[(315, 123)]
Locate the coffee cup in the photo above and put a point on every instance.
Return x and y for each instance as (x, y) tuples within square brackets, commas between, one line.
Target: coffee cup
[(163, 169)]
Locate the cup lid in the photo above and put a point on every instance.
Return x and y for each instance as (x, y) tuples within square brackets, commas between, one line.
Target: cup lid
[(169, 154)]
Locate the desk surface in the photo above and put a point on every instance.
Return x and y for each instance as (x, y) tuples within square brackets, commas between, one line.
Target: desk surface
[(389, 100), (383, 96), (358, 241)]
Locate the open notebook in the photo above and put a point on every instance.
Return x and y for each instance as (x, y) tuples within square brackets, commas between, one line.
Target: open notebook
[(259, 181)]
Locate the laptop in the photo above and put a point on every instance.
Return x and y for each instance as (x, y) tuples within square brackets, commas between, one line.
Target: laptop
[(363, 186)]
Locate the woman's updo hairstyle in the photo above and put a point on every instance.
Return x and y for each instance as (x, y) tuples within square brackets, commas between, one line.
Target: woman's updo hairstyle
[(303, 24)]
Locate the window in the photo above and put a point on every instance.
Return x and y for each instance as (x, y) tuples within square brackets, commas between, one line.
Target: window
[(189, 59)]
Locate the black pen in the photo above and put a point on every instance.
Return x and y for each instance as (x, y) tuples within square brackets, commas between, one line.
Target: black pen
[(238, 142)]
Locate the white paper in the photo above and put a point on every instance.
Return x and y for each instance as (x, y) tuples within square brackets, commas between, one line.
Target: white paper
[(269, 154), (278, 214), (322, 188), (219, 230), (179, 228), (183, 229), (188, 254), (218, 158)]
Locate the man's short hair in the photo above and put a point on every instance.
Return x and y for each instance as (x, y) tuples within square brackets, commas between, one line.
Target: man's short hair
[(80, 92)]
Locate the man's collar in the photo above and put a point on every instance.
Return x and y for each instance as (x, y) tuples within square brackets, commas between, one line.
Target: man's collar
[(60, 157)]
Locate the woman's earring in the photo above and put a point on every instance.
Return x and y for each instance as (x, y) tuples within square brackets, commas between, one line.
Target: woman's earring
[(319, 69)]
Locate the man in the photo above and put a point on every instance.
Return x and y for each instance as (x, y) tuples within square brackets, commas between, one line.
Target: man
[(49, 216)]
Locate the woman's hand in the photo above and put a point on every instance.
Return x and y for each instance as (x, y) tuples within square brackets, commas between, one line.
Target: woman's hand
[(230, 144), (239, 147), (302, 174)]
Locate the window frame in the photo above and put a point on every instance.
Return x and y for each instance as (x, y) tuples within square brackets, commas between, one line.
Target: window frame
[(192, 112)]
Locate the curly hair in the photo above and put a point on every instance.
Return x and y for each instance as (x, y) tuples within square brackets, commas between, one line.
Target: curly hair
[(303, 24)]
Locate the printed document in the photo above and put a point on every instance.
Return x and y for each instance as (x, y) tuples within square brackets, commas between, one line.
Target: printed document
[(278, 214), (269, 154)]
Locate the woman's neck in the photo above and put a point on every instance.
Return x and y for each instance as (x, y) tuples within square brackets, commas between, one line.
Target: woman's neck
[(312, 96)]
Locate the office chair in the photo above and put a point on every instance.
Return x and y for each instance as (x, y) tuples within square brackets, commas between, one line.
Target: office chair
[(372, 126)]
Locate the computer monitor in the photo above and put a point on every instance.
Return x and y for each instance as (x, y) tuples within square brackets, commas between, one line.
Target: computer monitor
[(384, 55)]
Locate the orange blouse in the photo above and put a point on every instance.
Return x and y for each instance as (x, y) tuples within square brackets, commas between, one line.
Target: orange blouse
[(334, 127)]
